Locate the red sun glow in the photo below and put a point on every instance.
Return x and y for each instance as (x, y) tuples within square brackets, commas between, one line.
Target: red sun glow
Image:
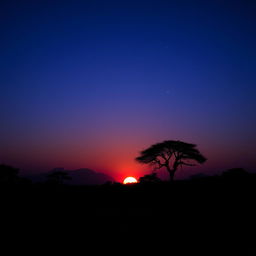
[(130, 180)]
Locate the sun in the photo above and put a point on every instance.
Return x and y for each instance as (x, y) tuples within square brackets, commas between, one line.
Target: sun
[(129, 180)]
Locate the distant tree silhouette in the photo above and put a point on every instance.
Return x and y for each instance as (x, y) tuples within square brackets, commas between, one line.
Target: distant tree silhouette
[(235, 173), (171, 154), (8, 174), (58, 177), (149, 178)]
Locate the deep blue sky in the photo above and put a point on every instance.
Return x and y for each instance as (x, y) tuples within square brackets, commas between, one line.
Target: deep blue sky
[(90, 83)]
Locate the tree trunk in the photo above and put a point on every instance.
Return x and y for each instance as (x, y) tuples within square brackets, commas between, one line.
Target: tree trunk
[(171, 173), (171, 176)]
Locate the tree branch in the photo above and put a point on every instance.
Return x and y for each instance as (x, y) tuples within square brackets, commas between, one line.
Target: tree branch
[(187, 164), (163, 156), (158, 162), (169, 155)]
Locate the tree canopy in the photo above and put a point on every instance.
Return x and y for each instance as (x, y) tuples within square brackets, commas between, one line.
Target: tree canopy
[(171, 154)]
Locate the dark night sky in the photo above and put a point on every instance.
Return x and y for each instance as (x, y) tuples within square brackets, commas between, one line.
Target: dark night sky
[(91, 83)]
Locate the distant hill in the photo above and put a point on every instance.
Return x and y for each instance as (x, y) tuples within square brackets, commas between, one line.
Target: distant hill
[(86, 176), (83, 176)]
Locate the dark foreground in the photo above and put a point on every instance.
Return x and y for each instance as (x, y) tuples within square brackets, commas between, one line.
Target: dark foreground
[(201, 217)]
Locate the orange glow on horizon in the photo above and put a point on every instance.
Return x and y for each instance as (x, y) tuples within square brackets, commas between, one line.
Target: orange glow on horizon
[(130, 180)]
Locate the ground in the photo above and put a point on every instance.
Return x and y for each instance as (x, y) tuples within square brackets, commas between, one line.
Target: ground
[(208, 218)]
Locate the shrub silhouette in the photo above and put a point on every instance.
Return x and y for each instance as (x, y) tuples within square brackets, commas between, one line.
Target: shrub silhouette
[(171, 154), (149, 178)]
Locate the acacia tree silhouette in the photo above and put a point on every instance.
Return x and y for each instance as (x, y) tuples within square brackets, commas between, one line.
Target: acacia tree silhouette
[(171, 154)]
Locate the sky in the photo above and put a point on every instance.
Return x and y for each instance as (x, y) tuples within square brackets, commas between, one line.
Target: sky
[(92, 83)]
